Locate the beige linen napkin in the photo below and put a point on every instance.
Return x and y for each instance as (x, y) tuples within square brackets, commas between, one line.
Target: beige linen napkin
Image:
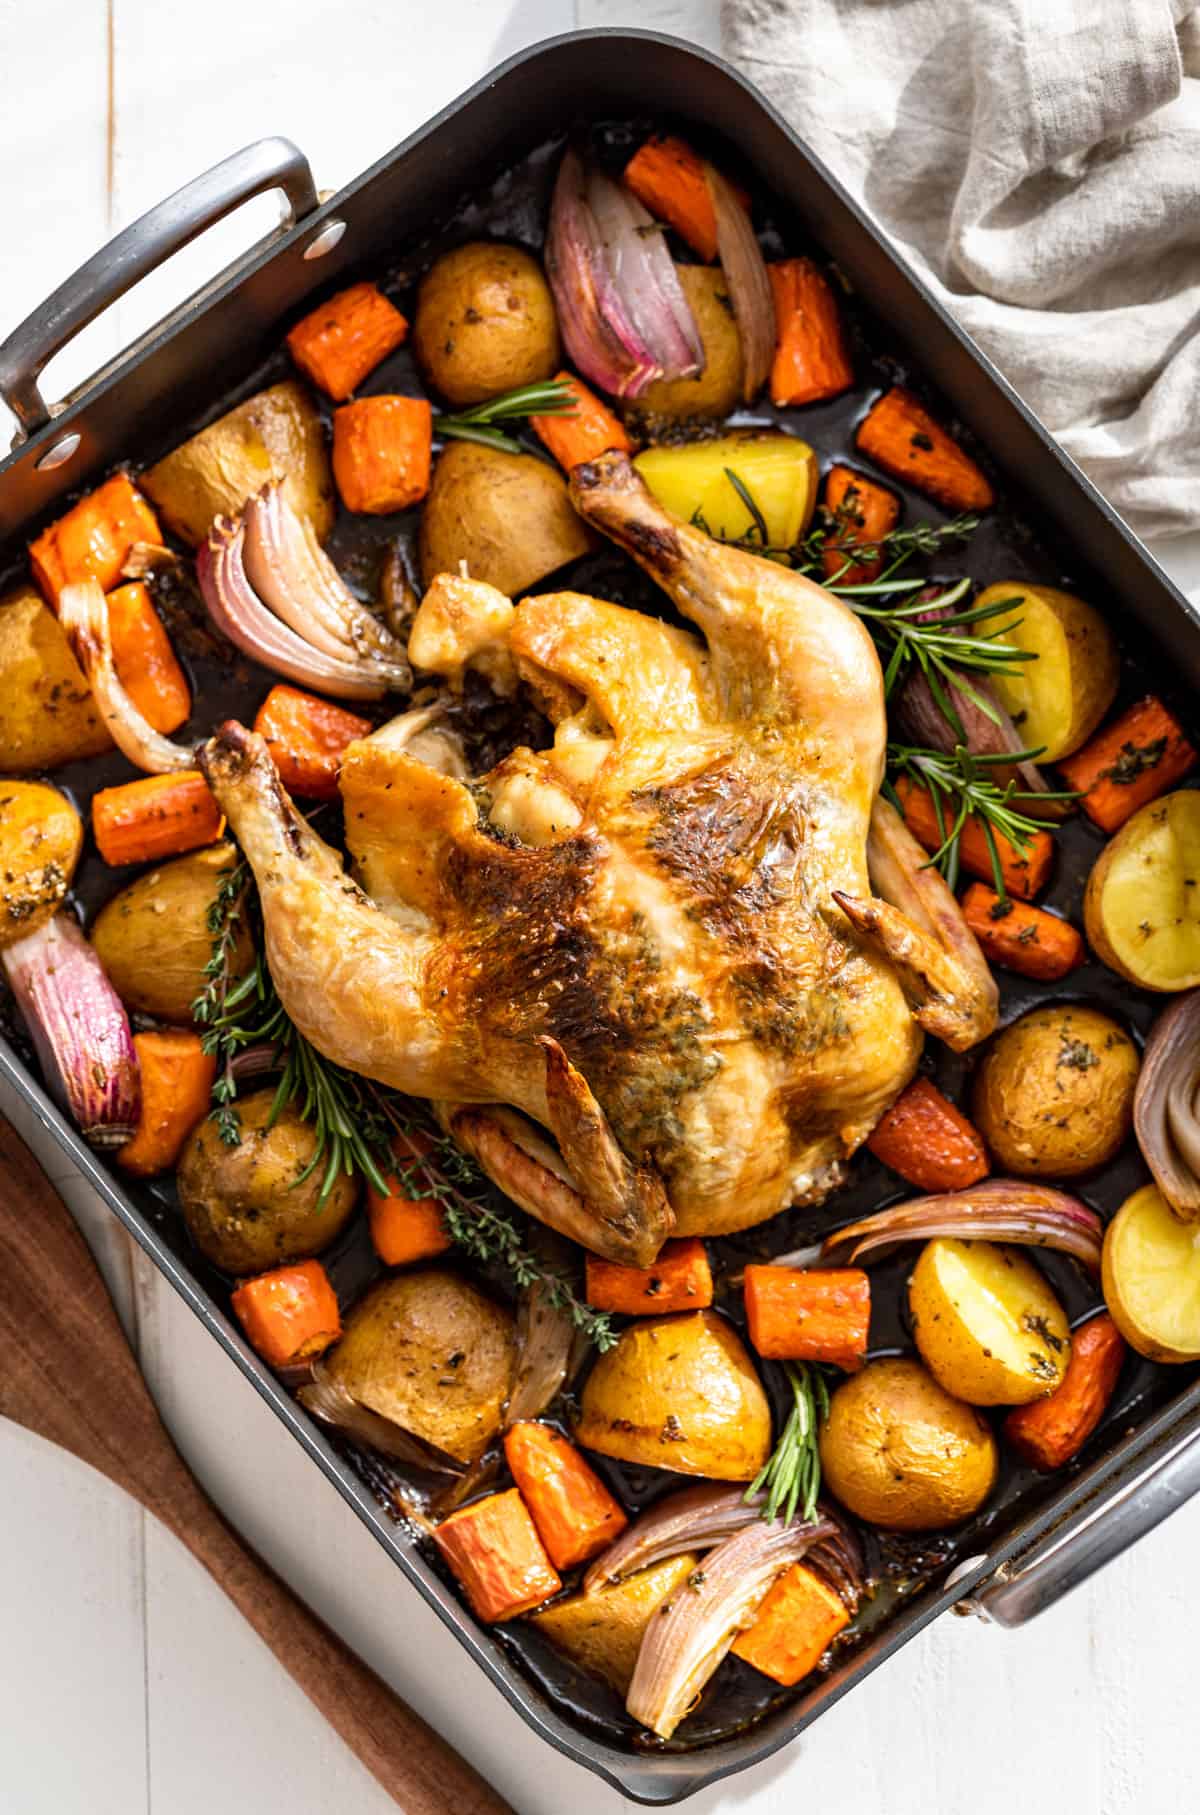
[(1038, 163)]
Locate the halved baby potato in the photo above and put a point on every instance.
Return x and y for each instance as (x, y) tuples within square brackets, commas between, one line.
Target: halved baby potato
[(988, 1326), (1141, 910), (602, 1632), (1058, 699), (1151, 1277), (777, 471)]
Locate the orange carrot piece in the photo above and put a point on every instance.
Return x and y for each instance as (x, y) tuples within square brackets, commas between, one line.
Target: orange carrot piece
[(1135, 759), (929, 1142), (144, 659), (1048, 1432), (668, 178), (344, 339), (901, 436), (156, 816), (591, 430), (574, 1512), (93, 540), (494, 1549), (812, 360), (289, 1314), (679, 1280), (307, 737), (1025, 871), (405, 1228), (1022, 938), (796, 1623), (818, 1314), (382, 450), (177, 1079), (863, 512)]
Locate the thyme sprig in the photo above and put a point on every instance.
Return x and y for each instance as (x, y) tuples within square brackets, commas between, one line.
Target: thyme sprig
[(791, 1475), (962, 786), (554, 397)]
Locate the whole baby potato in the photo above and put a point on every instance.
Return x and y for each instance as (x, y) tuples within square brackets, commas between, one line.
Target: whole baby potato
[(679, 1393), (1054, 1094), (718, 388), (507, 516), (243, 1205), (154, 940), (40, 838), (47, 713), (899, 1452), (485, 322)]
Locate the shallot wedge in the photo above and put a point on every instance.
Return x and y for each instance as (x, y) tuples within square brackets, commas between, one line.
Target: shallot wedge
[(1166, 1105), (83, 613), (749, 286), (999, 1210), (694, 1519)]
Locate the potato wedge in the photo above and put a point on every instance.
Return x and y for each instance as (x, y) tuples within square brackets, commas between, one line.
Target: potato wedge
[(988, 1326), (1054, 1094), (778, 471), (1151, 1277), (1141, 909), (1058, 699), (506, 515), (602, 1632), (47, 713), (40, 839), (276, 434), (718, 389), (153, 937)]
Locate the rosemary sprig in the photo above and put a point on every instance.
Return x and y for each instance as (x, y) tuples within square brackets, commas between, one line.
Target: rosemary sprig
[(554, 397), (963, 785), (791, 1475)]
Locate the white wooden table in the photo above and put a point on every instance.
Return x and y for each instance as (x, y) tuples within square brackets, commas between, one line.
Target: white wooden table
[(126, 1682)]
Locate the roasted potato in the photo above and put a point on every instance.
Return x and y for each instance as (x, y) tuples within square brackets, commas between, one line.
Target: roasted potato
[(602, 1632), (40, 837), (276, 434), (506, 515), (485, 323), (778, 471), (1151, 1277), (718, 389), (153, 937), (243, 1206), (1054, 1094), (1057, 700), (1141, 909), (679, 1393), (430, 1352), (899, 1452), (988, 1326), (47, 713)]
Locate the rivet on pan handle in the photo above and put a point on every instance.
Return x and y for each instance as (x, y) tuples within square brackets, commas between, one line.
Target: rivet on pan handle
[(134, 253)]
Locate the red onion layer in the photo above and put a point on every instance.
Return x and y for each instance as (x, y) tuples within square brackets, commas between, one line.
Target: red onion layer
[(749, 286), (999, 1210), (1166, 1105)]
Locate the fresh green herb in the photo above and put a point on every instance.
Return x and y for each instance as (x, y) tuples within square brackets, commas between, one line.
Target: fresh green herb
[(552, 398), (791, 1476), (961, 785)]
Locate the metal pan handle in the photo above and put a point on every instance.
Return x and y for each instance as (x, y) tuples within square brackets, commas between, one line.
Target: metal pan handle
[(134, 253), (1038, 1577)]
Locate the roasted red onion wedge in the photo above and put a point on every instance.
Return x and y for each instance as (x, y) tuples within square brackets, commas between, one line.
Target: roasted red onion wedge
[(695, 1519), (999, 1210), (545, 1340), (1166, 1105), (80, 1029), (687, 1640), (83, 613), (749, 286)]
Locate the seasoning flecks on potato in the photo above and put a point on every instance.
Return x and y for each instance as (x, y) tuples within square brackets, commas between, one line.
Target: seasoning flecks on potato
[(1054, 1094), (485, 323)]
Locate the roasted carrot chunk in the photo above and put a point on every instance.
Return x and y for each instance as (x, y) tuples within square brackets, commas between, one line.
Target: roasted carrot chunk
[(1022, 938), (929, 1142), (405, 1228), (307, 737), (344, 339), (668, 178), (1135, 759), (494, 1549), (289, 1314), (589, 431), (797, 1622), (144, 659), (574, 1512), (157, 816), (1025, 871), (901, 436), (1048, 1432), (812, 359), (382, 449), (679, 1280), (94, 539), (177, 1079), (862, 512), (797, 1314)]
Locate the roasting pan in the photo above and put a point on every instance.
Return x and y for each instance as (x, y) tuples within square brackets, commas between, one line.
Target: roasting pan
[(1043, 1538)]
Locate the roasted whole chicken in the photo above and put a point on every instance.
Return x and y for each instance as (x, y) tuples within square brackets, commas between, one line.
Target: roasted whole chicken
[(666, 975)]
